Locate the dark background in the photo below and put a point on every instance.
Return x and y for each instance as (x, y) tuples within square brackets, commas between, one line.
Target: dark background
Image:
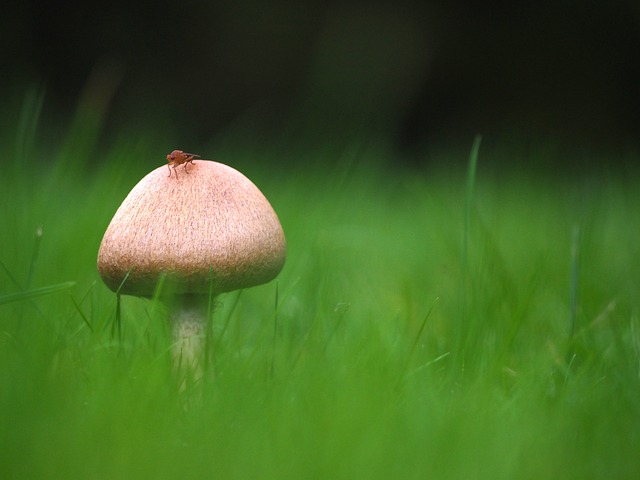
[(415, 74)]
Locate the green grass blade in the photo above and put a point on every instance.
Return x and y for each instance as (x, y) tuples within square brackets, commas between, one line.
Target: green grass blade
[(464, 329), (28, 124), (116, 327), (35, 292), (471, 180), (416, 340), (575, 279), (275, 337), (81, 313), (34, 255), (10, 275), (227, 321)]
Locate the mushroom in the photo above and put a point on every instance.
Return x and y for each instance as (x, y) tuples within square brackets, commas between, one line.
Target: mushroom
[(201, 234)]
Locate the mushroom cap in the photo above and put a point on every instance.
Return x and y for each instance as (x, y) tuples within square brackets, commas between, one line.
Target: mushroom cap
[(207, 230)]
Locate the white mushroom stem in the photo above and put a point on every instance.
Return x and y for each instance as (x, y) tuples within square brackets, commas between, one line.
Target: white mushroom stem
[(189, 342)]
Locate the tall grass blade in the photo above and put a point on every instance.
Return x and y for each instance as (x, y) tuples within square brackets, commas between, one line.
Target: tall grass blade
[(275, 336), (36, 292), (116, 327), (28, 125), (91, 112), (81, 313), (463, 328), (24, 150), (416, 341), (471, 180), (228, 319), (341, 309), (34, 255), (575, 279), (11, 277), (574, 290), (303, 345)]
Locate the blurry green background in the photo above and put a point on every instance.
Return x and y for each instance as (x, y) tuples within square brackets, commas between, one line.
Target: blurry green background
[(416, 75), (438, 313)]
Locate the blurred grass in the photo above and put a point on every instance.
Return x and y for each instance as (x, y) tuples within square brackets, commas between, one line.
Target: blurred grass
[(369, 366)]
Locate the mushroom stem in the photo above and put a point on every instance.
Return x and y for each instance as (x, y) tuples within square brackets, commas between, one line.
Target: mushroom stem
[(189, 340)]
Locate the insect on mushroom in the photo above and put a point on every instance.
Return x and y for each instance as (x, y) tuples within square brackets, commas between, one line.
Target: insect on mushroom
[(178, 157)]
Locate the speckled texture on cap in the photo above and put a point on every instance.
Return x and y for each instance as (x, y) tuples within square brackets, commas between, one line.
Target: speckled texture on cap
[(211, 221)]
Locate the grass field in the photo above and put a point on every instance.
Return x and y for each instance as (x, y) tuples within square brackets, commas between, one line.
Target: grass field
[(427, 324)]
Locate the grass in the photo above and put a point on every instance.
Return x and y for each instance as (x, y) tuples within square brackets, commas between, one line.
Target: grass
[(426, 325)]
